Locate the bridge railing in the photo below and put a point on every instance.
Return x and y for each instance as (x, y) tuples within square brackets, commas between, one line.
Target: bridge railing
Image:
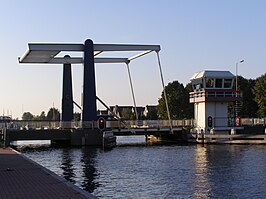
[(20, 124), (233, 121), (253, 121), (160, 123)]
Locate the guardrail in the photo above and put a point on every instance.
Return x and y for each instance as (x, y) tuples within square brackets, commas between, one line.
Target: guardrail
[(233, 121), (253, 121), (20, 124)]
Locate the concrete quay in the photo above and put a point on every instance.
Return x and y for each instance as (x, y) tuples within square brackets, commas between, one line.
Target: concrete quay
[(21, 178)]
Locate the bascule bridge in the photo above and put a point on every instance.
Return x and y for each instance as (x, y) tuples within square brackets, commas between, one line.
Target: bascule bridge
[(40, 53), (91, 129)]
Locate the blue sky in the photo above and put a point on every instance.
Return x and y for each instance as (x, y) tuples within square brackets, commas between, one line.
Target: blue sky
[(194, 35)]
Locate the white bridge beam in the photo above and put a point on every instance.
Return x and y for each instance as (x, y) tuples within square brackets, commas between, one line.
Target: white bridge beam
[(47, 53)]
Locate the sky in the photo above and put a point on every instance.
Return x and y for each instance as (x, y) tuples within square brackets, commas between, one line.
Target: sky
[(194, 35)]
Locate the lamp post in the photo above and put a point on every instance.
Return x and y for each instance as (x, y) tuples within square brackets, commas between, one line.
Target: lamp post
[(241, 61), (236, 107)]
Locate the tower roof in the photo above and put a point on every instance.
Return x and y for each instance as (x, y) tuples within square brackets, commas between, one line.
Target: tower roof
[(212, 74)]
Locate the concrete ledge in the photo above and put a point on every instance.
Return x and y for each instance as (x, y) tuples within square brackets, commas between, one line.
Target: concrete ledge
[(228, 139)]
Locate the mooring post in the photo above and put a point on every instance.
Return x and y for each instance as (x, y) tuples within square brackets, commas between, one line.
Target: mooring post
[(89, 111), (6, 138)]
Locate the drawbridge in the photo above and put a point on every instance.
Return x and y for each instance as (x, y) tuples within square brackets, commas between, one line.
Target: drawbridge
[(49, 53)]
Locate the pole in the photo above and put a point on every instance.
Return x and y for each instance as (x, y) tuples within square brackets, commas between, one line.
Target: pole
[(241, 61), (236, 108), (132, 91), (236, 77), (165, 96)]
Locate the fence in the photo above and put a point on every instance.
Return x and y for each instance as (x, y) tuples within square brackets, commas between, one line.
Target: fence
[(253, 121), (218, 122), (20, 124), (232, 121)]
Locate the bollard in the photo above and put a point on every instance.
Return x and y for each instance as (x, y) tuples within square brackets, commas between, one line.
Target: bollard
[(1, 135), (6, 142), (202, 136)]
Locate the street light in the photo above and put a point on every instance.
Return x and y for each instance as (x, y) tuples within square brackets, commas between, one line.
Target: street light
[(236, 107), (241, 61)]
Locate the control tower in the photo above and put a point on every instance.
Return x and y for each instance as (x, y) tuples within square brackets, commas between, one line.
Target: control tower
[(212, 91)]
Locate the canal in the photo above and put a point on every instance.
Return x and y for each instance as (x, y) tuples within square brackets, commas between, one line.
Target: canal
[(136, 170)]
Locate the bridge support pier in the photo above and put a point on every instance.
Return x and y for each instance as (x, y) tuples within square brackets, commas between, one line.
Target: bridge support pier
[(58, 137), (86, 137), (67, 96), (89, 111)]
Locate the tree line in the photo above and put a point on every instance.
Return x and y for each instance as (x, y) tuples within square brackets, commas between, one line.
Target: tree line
[(253, 104), (52, 114)]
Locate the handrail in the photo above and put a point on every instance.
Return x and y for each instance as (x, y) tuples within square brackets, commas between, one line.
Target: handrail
[(38, 125), (215, 90), (122, 124), (215, 93)]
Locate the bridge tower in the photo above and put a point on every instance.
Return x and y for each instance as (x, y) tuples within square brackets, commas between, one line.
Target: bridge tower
[(67, 96), (89, 112), (212, 91)]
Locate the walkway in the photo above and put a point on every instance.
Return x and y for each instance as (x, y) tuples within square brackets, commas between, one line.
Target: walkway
[(21, 178)]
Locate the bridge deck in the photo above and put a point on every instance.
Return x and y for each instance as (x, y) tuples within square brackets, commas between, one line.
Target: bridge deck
[(22, 178), (144, 131)]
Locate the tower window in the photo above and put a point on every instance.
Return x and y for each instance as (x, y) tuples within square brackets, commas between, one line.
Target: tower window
[(227, 83), (218, 83), (209, 82)]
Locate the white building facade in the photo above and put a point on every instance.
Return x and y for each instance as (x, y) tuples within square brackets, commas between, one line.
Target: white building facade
[(212, 91)]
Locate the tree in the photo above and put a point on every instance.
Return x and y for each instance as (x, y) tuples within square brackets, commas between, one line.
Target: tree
[(127, 113), (77, 116), (152, 113), (178, 101), (27, 116), (53, 114), (259, 92), (249, 106), (41, 117), (190, 107)]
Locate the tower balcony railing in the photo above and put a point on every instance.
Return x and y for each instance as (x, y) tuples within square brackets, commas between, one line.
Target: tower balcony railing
[(215, 95), (236, 122)]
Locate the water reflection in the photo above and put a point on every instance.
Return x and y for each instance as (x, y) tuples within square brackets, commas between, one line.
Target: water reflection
[(89, 170), (201, 186), (215, 168), (193, 171), (224, 170), (67, 165), (78, 167)]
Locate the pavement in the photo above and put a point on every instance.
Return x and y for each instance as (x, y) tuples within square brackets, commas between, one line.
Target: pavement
[(21, 178)]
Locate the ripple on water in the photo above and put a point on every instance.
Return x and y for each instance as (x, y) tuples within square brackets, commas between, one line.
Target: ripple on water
[(194, 171)]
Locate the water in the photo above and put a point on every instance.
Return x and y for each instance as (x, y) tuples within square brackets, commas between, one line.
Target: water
[(162, 171)]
